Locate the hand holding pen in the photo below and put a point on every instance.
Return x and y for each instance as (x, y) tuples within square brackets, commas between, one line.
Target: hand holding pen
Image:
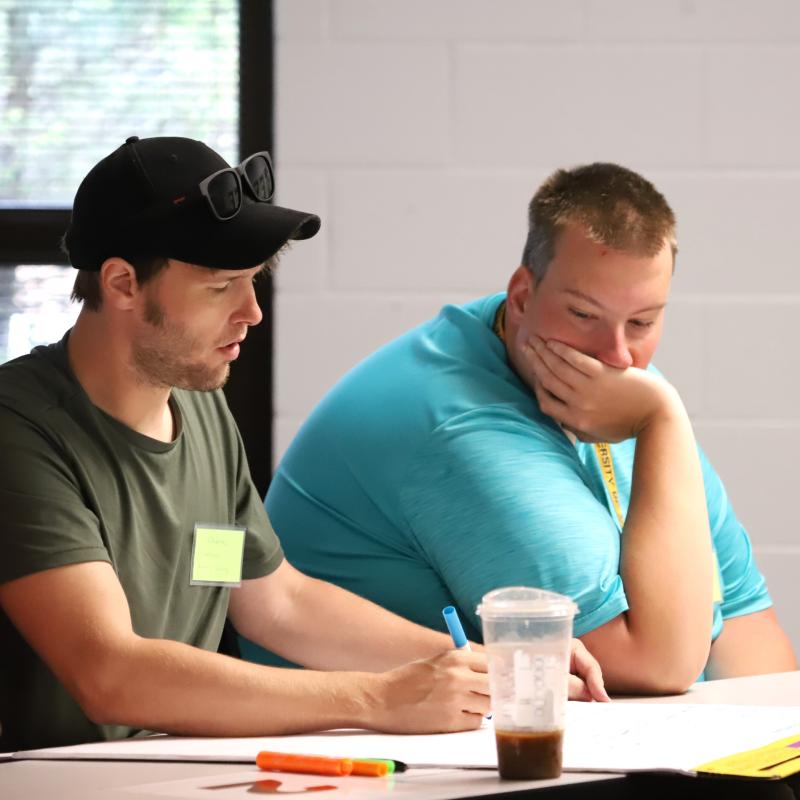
[(449, 692)]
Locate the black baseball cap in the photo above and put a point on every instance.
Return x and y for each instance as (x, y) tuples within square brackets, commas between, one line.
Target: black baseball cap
[(144, 200)]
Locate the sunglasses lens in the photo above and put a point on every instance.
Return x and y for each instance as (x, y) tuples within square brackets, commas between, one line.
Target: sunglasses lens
[(259, 176), (225, 194)]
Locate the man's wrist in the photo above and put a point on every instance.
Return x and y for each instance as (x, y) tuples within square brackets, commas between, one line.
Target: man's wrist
[(366, 698), (668, 410)]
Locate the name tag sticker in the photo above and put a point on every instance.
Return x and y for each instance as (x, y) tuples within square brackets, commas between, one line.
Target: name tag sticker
[(217, 555)]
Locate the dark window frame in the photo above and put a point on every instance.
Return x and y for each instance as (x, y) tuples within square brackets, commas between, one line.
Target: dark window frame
[(33, 235)]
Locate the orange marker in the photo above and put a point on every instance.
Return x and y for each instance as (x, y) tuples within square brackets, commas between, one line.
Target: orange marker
[(309, 765), (374, 769)]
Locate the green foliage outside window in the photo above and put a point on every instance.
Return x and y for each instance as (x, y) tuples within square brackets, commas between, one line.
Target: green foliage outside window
[(77, 77)]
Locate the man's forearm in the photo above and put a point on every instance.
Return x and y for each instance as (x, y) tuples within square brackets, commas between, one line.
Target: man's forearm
[(172, 687), (85, 637), (319, 625), (168, 686), (661, 643), (667, 560)]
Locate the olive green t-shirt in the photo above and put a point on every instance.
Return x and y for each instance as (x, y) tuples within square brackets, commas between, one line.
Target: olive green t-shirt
[(75, 486)]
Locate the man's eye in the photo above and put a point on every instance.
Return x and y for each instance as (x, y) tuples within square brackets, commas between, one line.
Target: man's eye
[(220, 289)]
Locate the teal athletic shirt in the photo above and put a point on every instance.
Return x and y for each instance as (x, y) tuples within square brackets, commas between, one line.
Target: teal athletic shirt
[(428, 476)]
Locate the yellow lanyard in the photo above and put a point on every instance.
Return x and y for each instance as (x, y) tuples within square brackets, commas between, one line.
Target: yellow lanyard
[(603, 450)]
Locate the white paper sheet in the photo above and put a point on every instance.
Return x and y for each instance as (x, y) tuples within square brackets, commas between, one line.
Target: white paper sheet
[(606, 737), (640, 736), (468, 749)]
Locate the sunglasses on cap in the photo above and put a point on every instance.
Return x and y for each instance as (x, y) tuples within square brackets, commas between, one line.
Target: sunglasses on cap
[(223, 190)]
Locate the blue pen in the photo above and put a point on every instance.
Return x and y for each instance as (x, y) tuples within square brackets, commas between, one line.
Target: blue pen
[(456, 631), (454, 626)]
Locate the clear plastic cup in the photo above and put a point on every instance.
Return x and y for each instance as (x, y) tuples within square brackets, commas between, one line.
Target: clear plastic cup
[(527, 633)]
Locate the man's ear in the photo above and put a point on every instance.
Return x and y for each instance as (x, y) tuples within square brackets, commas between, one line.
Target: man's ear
[(520, 290), (118, 283)]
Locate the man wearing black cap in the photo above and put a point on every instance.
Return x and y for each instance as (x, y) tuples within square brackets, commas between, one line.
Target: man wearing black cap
[(130, 523)]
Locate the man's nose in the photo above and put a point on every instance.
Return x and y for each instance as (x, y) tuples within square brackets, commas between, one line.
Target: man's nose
[(615, 351), (250, 312)]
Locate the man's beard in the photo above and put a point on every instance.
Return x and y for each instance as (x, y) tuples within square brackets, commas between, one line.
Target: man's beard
[(161, 361)]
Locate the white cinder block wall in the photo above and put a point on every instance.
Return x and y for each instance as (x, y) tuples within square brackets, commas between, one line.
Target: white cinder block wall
[(418, 130)]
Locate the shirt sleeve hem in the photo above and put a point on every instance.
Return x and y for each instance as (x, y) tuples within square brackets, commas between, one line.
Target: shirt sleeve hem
[(263, 566), (594, 619), (744, 608), (79, 555)]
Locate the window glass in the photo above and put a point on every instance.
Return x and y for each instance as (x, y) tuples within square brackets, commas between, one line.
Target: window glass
[(34, 307), (78, 77)]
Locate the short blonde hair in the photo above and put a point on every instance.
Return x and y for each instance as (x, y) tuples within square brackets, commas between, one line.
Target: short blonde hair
[(614, 205)]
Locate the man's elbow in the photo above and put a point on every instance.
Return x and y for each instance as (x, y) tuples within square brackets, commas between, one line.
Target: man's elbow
[(662, 679), (663, 672), (665, 681), (103, 691), (644, 665)]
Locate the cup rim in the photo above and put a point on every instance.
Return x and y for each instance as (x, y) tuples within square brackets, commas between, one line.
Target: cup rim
[(525, 601)]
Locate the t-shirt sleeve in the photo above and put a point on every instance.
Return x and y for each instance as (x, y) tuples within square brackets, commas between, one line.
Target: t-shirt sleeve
[(494, 500), (744, 590), (45, 521), (262, 551)]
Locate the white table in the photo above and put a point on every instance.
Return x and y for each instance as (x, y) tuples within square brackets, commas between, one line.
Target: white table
[(92, 780), (75, 780), (777, 689)]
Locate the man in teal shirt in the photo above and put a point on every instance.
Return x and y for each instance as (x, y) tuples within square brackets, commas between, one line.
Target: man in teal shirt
[(524, 439)]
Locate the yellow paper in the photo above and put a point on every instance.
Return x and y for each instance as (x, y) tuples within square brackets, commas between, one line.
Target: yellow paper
[(217, 555), (775, 760)]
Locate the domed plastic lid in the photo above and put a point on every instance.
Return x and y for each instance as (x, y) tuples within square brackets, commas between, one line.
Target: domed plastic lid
[(524, 601)]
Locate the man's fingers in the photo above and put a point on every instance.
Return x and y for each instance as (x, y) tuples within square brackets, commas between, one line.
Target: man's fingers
[(549, 404), (584, 364), (472, 721), (578, 690), (471, 670), (585, 665), (479, 703), (477, 661), (545, 376)]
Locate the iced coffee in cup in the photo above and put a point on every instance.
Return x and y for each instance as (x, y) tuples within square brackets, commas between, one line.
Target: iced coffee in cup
[(528, 634)]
